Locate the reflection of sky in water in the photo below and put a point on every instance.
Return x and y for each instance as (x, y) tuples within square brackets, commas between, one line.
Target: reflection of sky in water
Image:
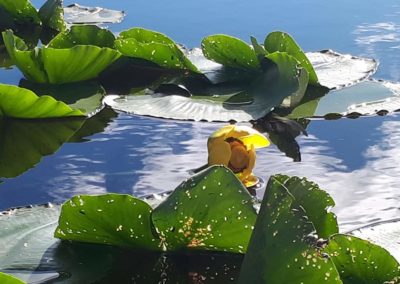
[(354, 160)]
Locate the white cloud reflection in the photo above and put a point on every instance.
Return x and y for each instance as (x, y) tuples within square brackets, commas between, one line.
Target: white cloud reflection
[(362, 196)]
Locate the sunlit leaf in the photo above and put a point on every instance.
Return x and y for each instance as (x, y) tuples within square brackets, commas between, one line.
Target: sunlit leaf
[(154, 47), (85, 96), (210, 211), (23, 143), (21, 11), (359, 261), (385, 234), (230, 51), (63, 65), (52, 15), (283, 42), (226, 101), (22, 103), (112, 219), (281, 246), (9, 279)]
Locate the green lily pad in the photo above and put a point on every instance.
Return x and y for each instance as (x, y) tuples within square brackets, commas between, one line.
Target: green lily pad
[(154, 47), (21, 11), (84, 96), (64, 64), (365, 98), (230, 51), (77, 14), (385, 234), (359, 261), (52, 15), (282, 247), (112, 219), (22, 103), (9, 279), (224, 102), (210, 211), (283, 42), (23, 143)]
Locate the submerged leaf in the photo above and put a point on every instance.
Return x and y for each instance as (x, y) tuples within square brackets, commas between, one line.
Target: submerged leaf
[(281, 246), (112, 219), (22, 103), (230, 51), (359, 261), (154, 47), (210, 211)]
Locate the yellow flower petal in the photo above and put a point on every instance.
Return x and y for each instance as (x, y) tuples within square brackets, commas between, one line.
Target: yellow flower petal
[(252, 161), (222, 132), (219, 152), (256, 139)]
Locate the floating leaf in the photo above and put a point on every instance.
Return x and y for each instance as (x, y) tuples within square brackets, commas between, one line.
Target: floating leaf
[(251, 102), (23, 143), (334, 70), (27, 236), (112, 219), (385, 234), (230, 51), (9, 279), (283, 42), (21, 11), (22, 103), (210, 211), (154, 47), (86, 96), (281, 247), (314, 201), (63, 65), (359, 261), (52, 15), (77, 14)]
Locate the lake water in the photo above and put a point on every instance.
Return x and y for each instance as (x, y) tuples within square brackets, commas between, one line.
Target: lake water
[(356, 161)]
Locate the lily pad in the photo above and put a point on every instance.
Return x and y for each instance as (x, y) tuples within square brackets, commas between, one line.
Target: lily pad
[(52, 15), (84, 96), (385, 234), (334, 70), (359, 261), (154, 47), (230, 51), (281, 246), (210, 211), (21, 11), (224, 102), (367, 97), (9, 279), (25, 142), (283, 42), (112, 219), (77, 14), (22, 103), (60, 63)]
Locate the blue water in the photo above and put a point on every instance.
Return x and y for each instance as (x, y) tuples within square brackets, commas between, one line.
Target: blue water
[(354, 160)]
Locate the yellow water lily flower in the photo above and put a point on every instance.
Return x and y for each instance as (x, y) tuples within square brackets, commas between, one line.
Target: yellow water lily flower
[(234, 147)]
